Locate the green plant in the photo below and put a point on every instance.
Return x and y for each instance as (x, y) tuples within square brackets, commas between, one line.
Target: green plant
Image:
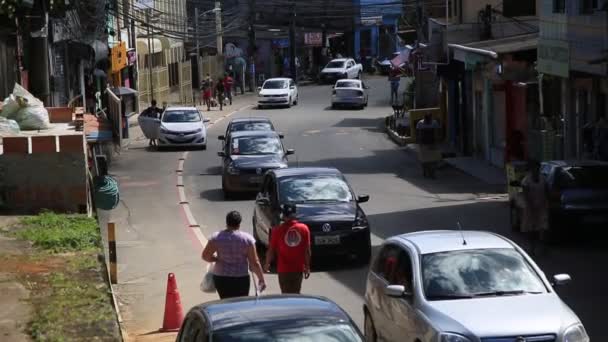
[(60, 233)]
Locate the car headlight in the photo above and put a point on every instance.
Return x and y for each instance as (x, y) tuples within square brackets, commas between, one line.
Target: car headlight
[(164, 130), (233, 170), (360, 221), (575, 333), (198, 130), (449, 337)]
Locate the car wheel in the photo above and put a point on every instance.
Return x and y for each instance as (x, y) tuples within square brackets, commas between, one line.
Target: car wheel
[(333, 106), (260, 107), (295, 103), (514, 217), (259, 246), (368, 329), (204, 147), (359, 76), (289, 103), (227, 194)]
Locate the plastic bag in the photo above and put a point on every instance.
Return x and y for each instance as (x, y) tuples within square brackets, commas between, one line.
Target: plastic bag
[(8, 127), (33, 118), (207, 284), (10, 107)]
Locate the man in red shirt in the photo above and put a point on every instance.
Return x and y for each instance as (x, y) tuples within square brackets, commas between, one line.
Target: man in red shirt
[(290, 244), (228, 83)]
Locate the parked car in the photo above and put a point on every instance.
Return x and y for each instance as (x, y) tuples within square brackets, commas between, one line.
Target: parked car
[(340, 68), (463, 286), (183, 126), (269, 319), (247, 155), (278, 92), (578, 194), (324, 201), (349, 93)]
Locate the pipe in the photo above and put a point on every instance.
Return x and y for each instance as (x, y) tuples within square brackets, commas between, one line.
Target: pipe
[(487, 53)]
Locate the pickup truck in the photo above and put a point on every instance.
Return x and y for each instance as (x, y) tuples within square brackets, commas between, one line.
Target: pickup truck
[(340, 68)]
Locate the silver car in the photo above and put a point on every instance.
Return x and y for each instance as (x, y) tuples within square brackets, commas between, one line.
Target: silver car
[(469, 286), (349, 93)]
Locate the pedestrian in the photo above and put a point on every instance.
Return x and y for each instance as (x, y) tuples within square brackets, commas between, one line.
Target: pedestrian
[(394, 77), (290, 246), (228, 83), (535, 219), (234, 254), (207, 91), (219, 93), (152, 112), (426, 136)]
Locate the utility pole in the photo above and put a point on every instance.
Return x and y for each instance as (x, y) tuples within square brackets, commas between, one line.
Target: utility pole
[(198, 52), (252, 46), (218, 28), (150, 52), (292, 43)]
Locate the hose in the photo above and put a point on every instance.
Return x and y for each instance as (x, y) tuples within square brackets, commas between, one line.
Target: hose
[(107, 194)]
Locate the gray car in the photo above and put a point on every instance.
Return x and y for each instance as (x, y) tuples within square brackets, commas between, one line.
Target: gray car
[(469, 286)]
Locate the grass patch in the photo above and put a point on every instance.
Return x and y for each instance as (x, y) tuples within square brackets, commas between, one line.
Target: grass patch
[(60, 233)]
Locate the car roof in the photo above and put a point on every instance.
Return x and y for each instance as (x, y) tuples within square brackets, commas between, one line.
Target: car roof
[(339, 59), (278, 79), (435, 241), (180, 108), (247, 310), (348, 80), (241, 134), (566, 163), (301, 171), (251, 119)]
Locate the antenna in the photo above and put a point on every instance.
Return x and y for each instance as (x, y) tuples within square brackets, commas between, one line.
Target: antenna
[(464, 242)]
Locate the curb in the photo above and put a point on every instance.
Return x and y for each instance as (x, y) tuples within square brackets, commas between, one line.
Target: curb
[(399, 140)]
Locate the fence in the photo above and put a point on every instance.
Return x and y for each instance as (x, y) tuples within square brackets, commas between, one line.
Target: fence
[(115, 116), (160, 78), (185, 82)]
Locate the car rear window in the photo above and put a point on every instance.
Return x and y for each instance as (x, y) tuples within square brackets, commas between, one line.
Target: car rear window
[(348, 85), (335, 64), (582, 177), (251, 126)]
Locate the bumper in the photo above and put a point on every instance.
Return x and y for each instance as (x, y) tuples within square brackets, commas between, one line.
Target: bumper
[(197, 139), (353, 242), (354, 100), (273, 102), (242, 183)]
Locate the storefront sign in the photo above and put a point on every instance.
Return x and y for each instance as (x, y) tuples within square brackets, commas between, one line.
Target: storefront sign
[(554, 57), (371, 21), (119, 57), (280, 43), (313, 38)]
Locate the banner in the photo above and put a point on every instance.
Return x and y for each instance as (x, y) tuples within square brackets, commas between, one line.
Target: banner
[(313, 39)]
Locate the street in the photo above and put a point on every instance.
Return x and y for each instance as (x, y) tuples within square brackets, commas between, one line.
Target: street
[(155, 238)]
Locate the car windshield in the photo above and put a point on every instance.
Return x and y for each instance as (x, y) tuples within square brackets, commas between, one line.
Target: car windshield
[(335, 64), (582, 177), (181, 116), (289, 331), (251, 126), (275, 85), (350, 84), (256, 145), (302, 189), (479, 272)]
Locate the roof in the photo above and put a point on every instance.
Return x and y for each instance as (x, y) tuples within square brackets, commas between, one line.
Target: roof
[(501, 46), (250, 119), (170, 108), (299, 171), (339, 60), (247, 310), (241, 134), (278, 79), (348, 80), (436, 241)]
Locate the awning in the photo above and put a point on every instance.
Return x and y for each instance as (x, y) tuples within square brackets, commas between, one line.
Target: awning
[(493, 48), (142, 45)]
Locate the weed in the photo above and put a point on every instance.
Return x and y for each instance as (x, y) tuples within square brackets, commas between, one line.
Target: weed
[(60, 233)]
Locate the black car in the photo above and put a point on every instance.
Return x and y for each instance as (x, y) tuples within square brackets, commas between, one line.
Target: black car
[(324, 201), (269, 319), (247, 155), (248, 124), (577, 194)]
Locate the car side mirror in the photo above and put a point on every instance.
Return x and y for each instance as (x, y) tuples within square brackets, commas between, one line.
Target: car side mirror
[(259, 89), (206, 120), (396, 291), (362, 198), (292, 87), (561, 279), (221, 154), (281, 135), (221, 137), (290, 151), (263, 201)]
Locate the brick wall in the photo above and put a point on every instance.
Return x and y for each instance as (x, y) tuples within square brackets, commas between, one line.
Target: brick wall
[(44, 172)]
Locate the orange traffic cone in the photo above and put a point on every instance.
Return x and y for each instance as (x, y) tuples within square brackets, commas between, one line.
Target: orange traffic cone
[(174, 314)]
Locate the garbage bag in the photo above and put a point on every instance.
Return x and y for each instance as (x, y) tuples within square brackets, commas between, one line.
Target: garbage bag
[(10, 107), (8, 127), (33, 118), (208, 284)]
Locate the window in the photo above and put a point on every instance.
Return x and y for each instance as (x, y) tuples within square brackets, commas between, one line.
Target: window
[(559, 6), (386, 262), (256, 145), (314, 189), (177, 116)]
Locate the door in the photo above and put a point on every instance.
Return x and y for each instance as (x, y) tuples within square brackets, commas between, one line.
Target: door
[(150, 125), (350, 69), (264, 213), (400, 311), (293, 90), (379, 277)]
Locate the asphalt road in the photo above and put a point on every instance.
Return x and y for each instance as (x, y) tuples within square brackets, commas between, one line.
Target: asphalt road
[(154, 238)]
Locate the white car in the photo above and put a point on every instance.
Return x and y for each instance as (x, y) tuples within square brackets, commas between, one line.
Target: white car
[(464, 286), (341, 68), (183, 126), (278, 92), (349, 93)]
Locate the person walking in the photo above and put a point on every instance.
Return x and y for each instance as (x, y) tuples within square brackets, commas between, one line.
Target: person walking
[(535, 219), (228, 83), (234, 254), (394, 77), (290, 246), (426, 136), (219, 93), (153, 112), (207, 91)]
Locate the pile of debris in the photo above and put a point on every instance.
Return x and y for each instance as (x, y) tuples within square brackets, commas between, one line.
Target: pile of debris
[(22, 111)]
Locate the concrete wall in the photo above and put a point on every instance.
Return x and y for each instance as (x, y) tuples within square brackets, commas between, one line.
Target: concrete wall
[(44, 172)]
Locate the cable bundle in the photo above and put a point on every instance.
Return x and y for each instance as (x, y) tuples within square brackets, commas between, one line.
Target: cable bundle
[(107, 194)]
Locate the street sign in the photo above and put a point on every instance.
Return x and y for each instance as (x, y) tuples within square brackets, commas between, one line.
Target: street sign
[(313, 38), (143, 4)]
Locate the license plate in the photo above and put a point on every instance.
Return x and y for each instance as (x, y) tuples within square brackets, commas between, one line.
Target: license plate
[(327, 240), (255, 180)]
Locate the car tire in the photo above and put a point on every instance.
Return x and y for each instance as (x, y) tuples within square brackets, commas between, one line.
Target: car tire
[(259, 246), (515, 217), (334, 106), (369, 330), (227, 194), (359, 75), (295, 103), (204, 147), (260, 107), (289, 103)]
